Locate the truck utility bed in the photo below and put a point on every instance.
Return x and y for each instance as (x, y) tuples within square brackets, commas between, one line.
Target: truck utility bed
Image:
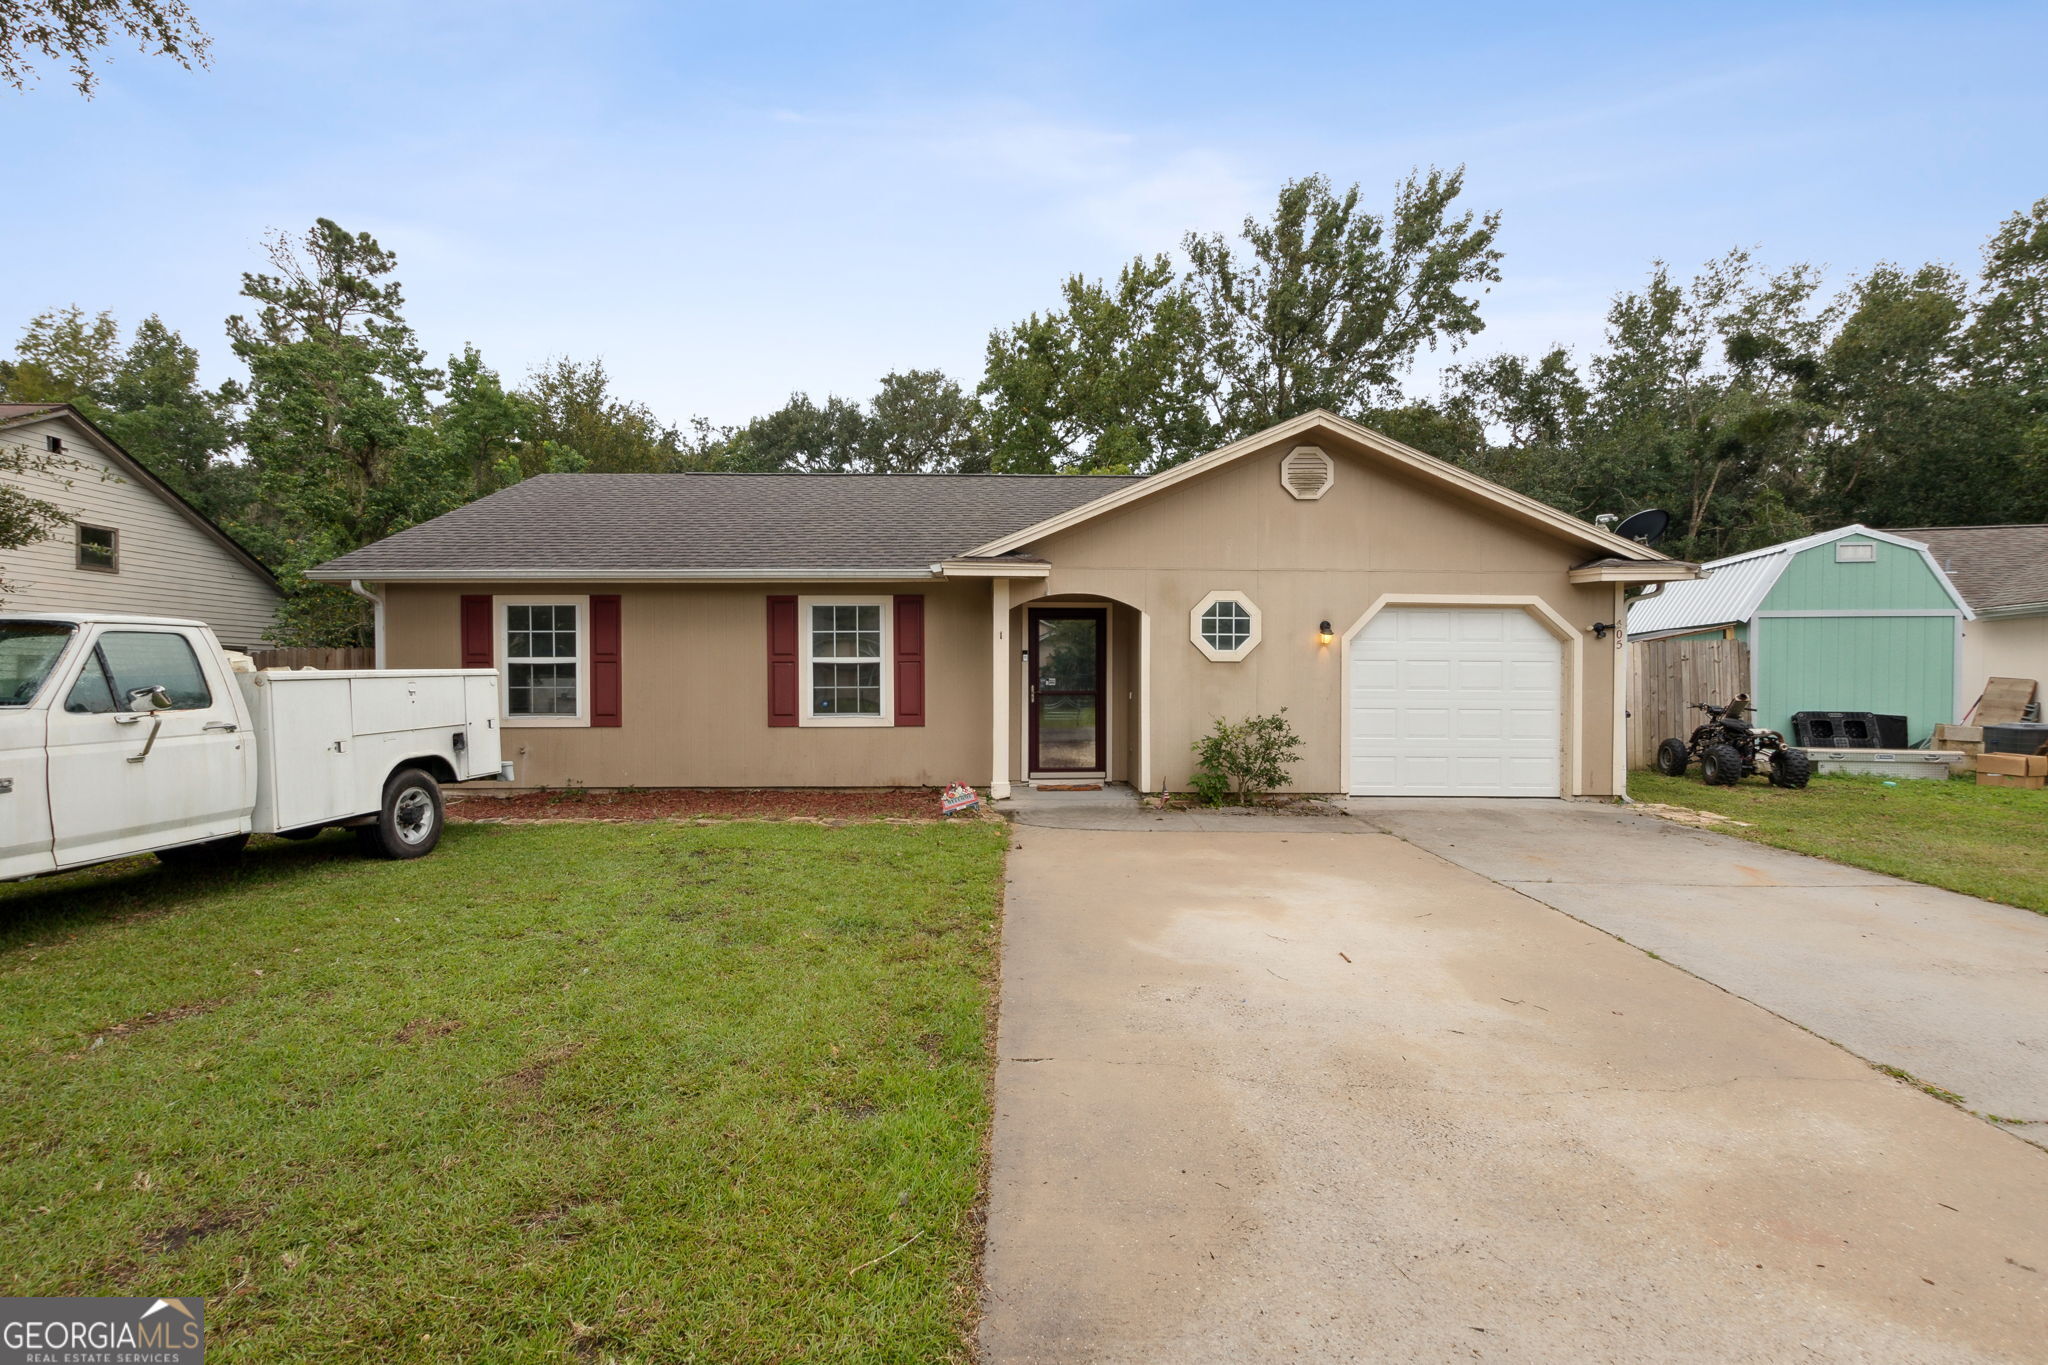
[(327, 740)]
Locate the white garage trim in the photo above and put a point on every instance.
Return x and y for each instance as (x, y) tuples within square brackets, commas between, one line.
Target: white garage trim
[(1545, 614)]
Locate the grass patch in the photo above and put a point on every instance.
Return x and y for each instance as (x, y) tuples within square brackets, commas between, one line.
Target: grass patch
[(587, 1092), (1981, 841)]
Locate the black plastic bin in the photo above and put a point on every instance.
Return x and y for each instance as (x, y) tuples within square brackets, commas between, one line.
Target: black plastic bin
[(1839, 730), (1891, 731)]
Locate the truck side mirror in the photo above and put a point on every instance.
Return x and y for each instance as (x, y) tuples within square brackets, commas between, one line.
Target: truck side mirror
[(152, 698)]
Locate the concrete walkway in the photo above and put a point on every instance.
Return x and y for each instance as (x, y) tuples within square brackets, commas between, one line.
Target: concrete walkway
[(1949, 988), (1310, 1095)]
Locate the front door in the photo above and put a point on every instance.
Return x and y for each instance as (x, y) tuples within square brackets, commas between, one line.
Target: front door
[(1066, 689)]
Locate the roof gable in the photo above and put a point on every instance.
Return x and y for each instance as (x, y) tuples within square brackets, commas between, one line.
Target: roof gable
[(1306, 428), (14, 415)]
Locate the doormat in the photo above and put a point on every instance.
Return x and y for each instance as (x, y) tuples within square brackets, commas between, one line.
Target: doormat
[(1066, 786)]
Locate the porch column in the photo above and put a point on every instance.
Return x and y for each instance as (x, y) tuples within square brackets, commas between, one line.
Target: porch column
[(999, 680)]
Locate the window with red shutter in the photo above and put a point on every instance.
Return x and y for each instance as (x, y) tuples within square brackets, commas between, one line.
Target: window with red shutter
[(782, 661), (605, 680), (910, 659), (479, 632)]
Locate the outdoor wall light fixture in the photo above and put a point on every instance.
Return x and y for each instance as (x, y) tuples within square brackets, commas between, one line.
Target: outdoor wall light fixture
[(1600, 629), (1323, 635)]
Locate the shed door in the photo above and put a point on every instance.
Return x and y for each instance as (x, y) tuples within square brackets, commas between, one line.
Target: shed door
[(1456, 702)]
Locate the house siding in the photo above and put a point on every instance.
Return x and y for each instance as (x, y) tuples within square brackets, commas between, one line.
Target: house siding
[(1899, 580), (694, 656), (169, 565), (694, 690), (1377, 532), (2002, 647)]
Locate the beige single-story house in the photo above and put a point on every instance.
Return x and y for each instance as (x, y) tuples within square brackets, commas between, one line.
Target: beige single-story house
[(129, 542), (2002, 572), (1427, 632)]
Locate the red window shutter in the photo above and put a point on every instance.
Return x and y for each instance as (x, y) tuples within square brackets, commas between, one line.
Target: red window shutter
[(910, 659), (604, 660), (782, 661), (479, 632)]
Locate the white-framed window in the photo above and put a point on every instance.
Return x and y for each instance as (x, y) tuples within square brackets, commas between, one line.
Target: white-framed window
[(99, 548), (1224, 626), (544, 659), (1855, 552), (844, 652)]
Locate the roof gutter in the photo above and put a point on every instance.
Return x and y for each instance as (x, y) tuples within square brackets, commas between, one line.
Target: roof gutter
[(580, 574), (376, 600)]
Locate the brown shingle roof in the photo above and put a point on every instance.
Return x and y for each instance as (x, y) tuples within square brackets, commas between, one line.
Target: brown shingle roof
[(1993, 567), (568, 525)]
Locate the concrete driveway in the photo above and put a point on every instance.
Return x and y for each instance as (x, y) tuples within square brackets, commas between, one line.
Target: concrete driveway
[(1311, 1092), (1949, 988)]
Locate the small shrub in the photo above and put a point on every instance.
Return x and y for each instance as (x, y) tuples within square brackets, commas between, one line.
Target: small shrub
[(1249, 757), (1213, 789)]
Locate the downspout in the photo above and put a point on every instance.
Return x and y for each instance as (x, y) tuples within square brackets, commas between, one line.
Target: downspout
[(376, 601)]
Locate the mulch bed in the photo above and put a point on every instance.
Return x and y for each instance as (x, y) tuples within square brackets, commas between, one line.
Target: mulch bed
[(666, 804)]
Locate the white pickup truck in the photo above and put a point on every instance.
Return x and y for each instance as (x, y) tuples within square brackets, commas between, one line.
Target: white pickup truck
[(134, 734)]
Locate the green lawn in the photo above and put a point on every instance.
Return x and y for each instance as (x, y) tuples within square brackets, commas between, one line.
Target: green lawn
[(1982, 841), (588, 1092)]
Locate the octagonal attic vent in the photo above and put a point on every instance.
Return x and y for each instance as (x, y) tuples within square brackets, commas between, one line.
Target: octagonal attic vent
[(1307, 472)]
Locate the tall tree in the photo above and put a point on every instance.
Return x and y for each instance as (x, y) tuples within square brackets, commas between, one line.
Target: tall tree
[(74, 31), (147, 396), (338, 394), (574, 416), (1328, 304), (1114, 381), (922, 422)]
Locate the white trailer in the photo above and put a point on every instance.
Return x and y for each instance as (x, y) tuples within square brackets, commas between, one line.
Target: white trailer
[(131, 734)]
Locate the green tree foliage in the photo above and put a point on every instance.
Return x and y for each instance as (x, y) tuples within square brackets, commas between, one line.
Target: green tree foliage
[(146, 396), (338, 401), (919, 422), (73, 32), (1115, 381), (575, 421), (1756, 411), (1326, 304)]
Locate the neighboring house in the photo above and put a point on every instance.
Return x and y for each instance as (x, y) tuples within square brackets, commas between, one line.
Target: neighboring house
[(1848, 620), (1426, 632), (2002, 572), (130, 543)]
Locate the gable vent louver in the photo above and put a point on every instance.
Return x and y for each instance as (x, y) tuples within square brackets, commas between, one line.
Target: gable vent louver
[(1307, 473)]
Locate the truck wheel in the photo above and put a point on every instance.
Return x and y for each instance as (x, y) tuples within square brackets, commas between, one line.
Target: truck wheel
[(1721, 765), (1790, 768), (408, 824), (209, 854), (1672, 758)]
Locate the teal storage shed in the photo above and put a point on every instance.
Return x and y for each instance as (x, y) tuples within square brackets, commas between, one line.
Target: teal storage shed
[(1848, 620)]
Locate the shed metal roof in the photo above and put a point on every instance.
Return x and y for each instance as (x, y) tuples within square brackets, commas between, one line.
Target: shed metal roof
[(1735, 588)]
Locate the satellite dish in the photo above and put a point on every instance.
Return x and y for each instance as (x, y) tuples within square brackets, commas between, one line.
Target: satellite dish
[(1646, 526)]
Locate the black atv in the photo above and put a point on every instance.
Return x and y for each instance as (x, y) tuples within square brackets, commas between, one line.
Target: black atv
[(1729, 749)]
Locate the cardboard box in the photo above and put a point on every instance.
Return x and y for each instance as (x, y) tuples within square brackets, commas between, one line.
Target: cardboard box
[(2013, 765), (2001, 780), (1950, 736)]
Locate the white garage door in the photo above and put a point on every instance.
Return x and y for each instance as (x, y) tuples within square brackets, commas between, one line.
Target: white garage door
[(1460, 702)]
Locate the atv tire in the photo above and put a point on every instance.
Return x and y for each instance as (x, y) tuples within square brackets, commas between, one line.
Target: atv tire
[(1790, 768), (1672, 758), (1721, 765)]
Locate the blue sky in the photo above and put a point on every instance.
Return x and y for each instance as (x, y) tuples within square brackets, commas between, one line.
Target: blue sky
[(731, 202)]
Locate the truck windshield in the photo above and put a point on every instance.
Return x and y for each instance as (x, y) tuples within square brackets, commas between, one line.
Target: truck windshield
[(28, 650)]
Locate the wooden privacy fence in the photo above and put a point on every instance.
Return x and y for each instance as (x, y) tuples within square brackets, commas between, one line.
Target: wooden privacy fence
[(1666, 676), (352, 657)]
